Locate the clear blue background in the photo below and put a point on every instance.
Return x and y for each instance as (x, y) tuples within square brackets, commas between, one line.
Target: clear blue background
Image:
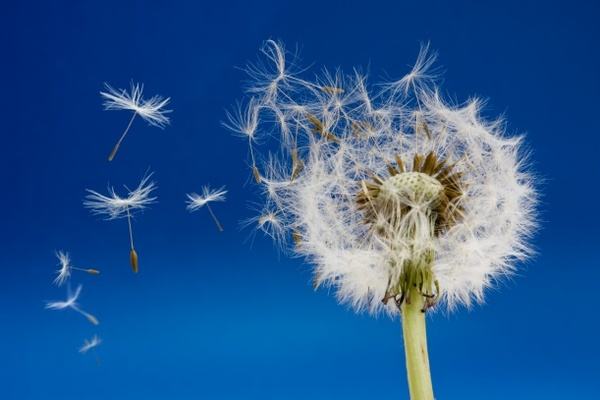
[(213, 317)]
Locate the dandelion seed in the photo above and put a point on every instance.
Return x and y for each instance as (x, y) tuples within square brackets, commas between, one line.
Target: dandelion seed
[(271, 76), (245, 122), (90, 344), (408, 203), (269, 223), (256, 174), (297, 164), (115, 206), (64, 272), (297, 237), (151, 110), (196, 201), (71, 303), (319, 128), (421, 74)]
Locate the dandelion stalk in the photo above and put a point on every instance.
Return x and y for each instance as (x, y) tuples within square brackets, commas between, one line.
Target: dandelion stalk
[(113, 153), (415, 347)]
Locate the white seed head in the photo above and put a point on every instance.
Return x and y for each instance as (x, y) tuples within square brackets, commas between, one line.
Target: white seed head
[(359, 215)]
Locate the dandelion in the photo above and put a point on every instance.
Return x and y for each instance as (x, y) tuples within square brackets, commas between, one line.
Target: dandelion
[(64, 272), (196, 201), (90, 344), (151, 110), (115, 207), (71, 303), (244, 121), (402, 201)]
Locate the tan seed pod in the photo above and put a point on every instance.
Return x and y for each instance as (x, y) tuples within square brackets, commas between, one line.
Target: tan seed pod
[(92, 271), (133, 260), (256, 174)]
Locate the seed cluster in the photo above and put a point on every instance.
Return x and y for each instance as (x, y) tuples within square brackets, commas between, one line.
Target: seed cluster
[(431, 187), (431, 183)]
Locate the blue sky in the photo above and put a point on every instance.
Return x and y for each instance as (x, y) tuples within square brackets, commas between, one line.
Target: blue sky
[(214, 316)]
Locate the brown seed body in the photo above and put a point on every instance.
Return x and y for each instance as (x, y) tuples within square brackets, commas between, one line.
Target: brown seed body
[(133, 260), (92, 271)]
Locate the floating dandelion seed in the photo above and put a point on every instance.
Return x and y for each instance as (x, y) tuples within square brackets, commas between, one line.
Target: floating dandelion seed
[(268, 222), (90, 344), (71, 303), (421, 76), (151, 110), (196, 201), (115, 206), (400, 200), (244, 121), (64, 272)]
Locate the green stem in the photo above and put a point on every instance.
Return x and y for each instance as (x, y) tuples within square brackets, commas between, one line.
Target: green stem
[(415, 347)]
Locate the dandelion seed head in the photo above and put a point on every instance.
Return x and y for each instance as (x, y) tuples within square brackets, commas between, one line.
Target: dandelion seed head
[(393, 177), (151, 110)]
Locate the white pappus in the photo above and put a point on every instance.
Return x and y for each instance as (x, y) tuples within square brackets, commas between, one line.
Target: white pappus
[(90, 344)]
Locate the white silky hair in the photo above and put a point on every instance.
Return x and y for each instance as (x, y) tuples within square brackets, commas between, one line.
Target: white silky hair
[(152, 110), (70, 302), (114, 206), (197, 201), (89, 344), (359, 133), (64, 272)]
